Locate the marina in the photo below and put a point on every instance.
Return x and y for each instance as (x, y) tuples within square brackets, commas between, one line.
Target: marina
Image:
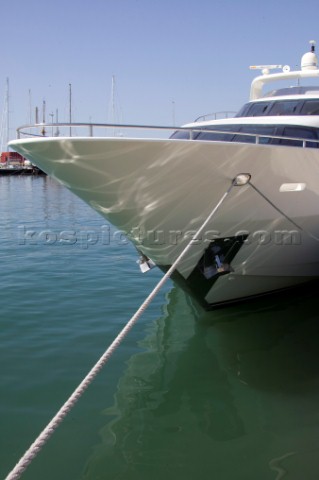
[(204, 238), (12, 163), (159, 193), (188, 393)]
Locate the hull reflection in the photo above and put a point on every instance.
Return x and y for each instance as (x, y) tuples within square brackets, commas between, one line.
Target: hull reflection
[(234, 392)]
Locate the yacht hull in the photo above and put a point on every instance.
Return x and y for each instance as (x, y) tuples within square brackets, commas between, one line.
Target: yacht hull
[(264, 237)]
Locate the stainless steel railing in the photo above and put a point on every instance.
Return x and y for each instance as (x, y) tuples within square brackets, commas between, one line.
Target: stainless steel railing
[(215, 116), (147, 131), (89, 129)]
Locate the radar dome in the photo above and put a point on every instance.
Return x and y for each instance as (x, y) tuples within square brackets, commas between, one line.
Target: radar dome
[(309, 60)]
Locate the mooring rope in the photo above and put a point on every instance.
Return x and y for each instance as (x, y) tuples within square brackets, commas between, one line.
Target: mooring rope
[(36, 446)]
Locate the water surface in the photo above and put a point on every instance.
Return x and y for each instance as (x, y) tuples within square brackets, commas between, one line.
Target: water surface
[(229, 394)]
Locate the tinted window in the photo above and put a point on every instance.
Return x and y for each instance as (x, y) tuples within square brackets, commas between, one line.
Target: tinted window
[(222, 136), (243, 111), (255, 130), (263, 131), (310, 107), (254, 109), (258, 109), (180, 134), (288, 107), (299, 132)]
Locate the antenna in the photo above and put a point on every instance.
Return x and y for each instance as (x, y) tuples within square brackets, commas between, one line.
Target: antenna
[(266, 68)]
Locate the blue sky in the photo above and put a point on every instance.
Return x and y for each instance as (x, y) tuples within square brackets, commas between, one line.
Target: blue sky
[(171, 59)]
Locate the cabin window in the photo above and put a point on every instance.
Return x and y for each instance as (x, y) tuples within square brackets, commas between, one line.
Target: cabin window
[(263, 130), (310, 107), (288, 107), (282, 107), (243, 111), (298, 132), (181, 135), (257, 109), (298, 135), (218, 136)]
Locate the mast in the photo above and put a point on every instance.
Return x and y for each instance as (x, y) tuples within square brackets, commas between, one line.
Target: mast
[(114, 112), (113, 102), (173, 112), (70, 107), (7, 102), (5, 120), (113, 98), (30, 107), (57, 132)]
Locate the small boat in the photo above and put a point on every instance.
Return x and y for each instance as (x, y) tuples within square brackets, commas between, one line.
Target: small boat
[(159, 190), (12, 163)]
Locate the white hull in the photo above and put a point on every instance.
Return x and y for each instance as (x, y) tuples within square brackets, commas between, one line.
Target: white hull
[(159, 192)]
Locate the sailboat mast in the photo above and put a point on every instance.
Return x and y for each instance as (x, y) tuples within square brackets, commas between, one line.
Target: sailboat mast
[(7, 106), (30, 107), (57, 132), (113, 98), (4, 133), (70, 107)]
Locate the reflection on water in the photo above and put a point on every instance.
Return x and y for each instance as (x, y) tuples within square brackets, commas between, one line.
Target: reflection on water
[(230, 394)]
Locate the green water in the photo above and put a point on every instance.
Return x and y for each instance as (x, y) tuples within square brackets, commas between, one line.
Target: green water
[(230, 394)]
